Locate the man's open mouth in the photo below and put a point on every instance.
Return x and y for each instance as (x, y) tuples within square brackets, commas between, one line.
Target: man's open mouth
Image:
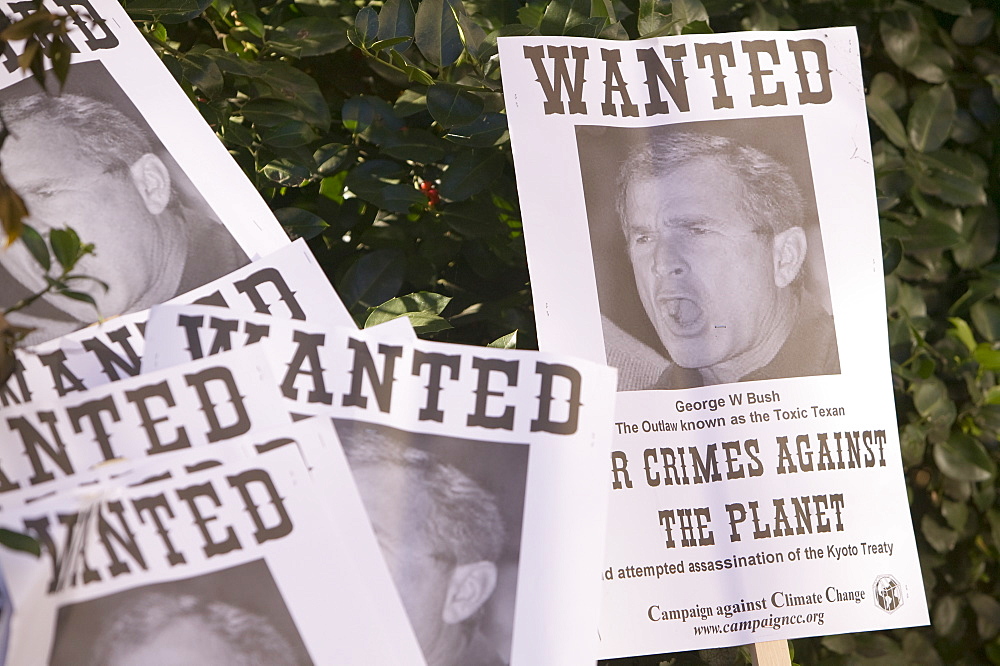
[(683, 312)]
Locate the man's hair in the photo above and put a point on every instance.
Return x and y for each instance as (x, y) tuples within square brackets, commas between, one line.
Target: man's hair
[(464, 523), (770, 197), (253, 640), (103, 133)]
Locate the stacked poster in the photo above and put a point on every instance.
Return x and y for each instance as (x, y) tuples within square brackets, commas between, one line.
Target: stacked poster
[(124, 159), (700, 213), (479, 468)]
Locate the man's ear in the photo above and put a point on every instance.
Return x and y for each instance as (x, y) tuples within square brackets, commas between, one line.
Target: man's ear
[(152, 179), (789, 253), (469, 588)]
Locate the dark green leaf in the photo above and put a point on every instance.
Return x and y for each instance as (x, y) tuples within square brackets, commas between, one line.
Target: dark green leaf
[(357, 114), (396, 19), (489, 129), (940, 538), (299, 223), (887, 120), (530, 16), (78, 296), (437, 33), (987, 614), (974, 28), (956, 7), (981, 231), (931, 118), (900, 34), (271, 112), (371, 280), (469, 174), (561, 15), (956, 177), (451, 105), (286, 172), (366, 25), (986, 318), (886, 86), (931, 400), (202, 72), (416, 145), (65, 247), (473, 35), (290, 134), (166, 11), (17, 541), (331, 158), (963, 457), (310, 36), (37, 247), (932, 63), (689, 13)]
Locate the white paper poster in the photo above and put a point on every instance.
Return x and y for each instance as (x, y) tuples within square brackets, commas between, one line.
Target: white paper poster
[(123, 158), (700, 213), (287, 283), (241, 562), (226, 396), (480, 470)]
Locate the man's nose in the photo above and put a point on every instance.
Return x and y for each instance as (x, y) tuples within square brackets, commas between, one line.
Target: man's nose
[(669, 259)]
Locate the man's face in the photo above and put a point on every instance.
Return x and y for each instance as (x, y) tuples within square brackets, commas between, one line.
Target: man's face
[(62, 187), (704, 275), (421, 575), (181, 642)]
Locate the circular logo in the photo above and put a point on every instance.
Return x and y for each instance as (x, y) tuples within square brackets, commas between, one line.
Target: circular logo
[(888, 593)]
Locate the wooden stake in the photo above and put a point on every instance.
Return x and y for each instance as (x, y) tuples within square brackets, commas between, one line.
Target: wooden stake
[(770, 653)]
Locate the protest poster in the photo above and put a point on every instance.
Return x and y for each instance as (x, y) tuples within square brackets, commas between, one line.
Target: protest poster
[(287, 283), (207, 401), (123, 158), (237, 562), (480, 469), (700, 213)]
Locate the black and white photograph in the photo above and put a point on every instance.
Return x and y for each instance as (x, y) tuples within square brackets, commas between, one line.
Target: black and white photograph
[(87, 160), (447, 514), (235, 616), (707, 252)]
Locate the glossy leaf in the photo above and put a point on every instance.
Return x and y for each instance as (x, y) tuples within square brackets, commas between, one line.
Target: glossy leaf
[(366, 26), (469, 174), (396, 19), (65, 247), (37, 247), (166, 11), (371, 280), (508, 341), (931, 118), (561, 15), (973, 28), (451, 105), (887, 120), (309, 36), (962, 457), (900, 34), (299, 223), (436, 33)]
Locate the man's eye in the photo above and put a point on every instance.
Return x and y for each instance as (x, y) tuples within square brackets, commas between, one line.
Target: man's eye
[(642, 239)]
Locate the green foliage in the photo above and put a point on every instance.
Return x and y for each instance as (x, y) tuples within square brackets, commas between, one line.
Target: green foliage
[(377, 133)]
